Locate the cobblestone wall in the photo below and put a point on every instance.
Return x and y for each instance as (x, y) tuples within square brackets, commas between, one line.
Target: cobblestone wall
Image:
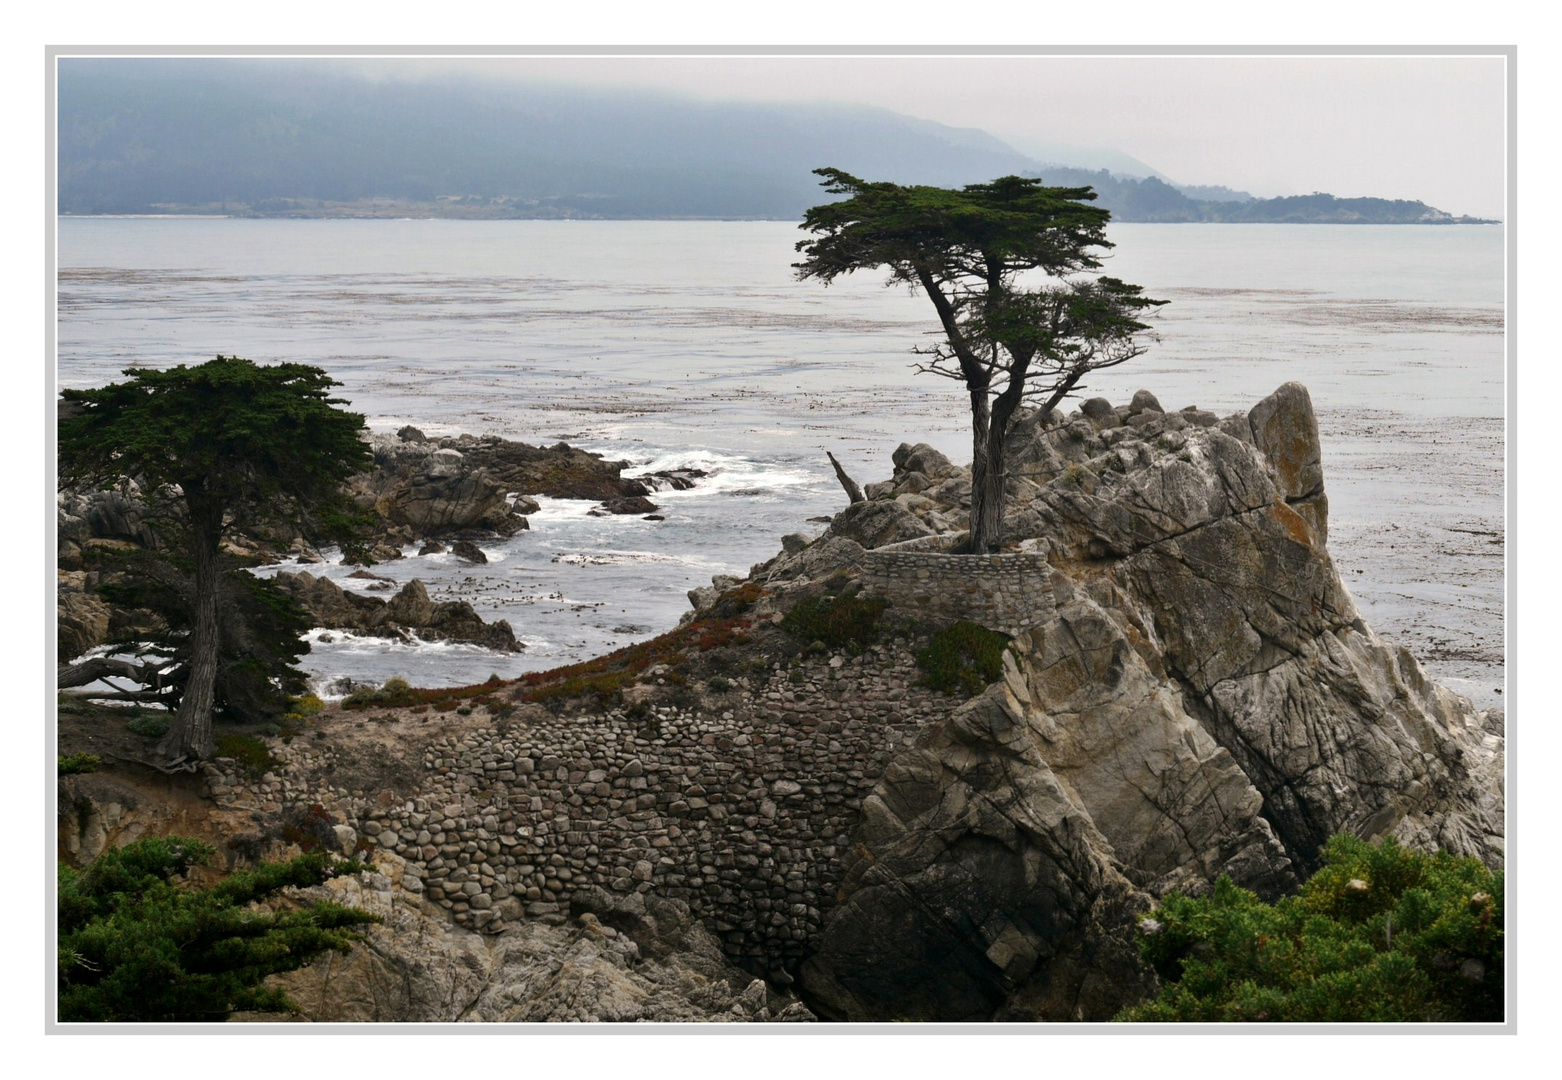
[(739, 804), (1007, 592)]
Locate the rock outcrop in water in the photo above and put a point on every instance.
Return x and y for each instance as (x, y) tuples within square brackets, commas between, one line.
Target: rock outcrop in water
[(454, 489), (409, 614), (459, 487)]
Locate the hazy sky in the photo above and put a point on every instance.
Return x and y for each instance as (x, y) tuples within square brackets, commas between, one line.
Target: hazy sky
[(1397, 127)]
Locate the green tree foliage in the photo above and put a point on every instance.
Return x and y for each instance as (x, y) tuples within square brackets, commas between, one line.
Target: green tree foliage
[(976, 253), (137, 945), (1380, 934), (235, 443)]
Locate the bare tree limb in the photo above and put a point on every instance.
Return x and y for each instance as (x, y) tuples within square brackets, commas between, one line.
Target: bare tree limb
[(853, 492), (119, 695), (100, 667)]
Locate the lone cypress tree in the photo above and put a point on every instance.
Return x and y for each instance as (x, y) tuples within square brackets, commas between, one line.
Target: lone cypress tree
[(1007, 340), (233, 442)]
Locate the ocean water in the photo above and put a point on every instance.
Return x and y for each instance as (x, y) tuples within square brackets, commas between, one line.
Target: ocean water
[(671, 344)]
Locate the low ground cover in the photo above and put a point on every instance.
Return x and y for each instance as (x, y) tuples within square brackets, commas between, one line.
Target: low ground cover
[(1381, 933)]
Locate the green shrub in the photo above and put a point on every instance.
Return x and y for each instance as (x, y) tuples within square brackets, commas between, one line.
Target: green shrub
[(302, 708), (964, 656), (1380, 934), (604, 686), (396, 691), (79, 763), (719, 683), (251, 754), (135, 945), (149, 725), (838, 621)]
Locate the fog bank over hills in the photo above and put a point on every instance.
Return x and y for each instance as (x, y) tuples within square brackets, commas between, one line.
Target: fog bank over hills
[(302, 137)]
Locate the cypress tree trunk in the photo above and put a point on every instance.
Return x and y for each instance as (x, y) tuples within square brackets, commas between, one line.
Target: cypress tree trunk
[(987, 476), (190, 735), (990, 502)]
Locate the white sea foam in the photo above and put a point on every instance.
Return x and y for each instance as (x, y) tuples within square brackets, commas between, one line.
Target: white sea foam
[(367, 659), (559, 511), (345, 641), (632, 558), (724, 472)]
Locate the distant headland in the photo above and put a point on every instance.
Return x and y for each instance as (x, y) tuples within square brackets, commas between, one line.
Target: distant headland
[(284, 141)]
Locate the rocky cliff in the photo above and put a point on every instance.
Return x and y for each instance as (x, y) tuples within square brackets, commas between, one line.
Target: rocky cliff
[(1187, 691), (1193, 694)]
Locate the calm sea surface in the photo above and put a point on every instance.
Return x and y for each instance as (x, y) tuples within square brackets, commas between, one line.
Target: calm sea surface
[(688, 343)]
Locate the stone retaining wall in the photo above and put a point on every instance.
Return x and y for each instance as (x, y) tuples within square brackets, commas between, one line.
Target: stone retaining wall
[(739, 805), (1007, 593)]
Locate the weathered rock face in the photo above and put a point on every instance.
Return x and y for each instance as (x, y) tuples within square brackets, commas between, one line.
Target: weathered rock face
[(434, 490), (636, 961), (85, 517), (83, 619), (972, 874), (879, 522), (1197, 696), (410, 611)]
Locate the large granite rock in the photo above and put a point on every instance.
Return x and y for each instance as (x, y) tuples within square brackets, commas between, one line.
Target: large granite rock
[(409, 612), (1286, 431), (973, 874), (1197, 696), (877, 522), (433, 490)]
